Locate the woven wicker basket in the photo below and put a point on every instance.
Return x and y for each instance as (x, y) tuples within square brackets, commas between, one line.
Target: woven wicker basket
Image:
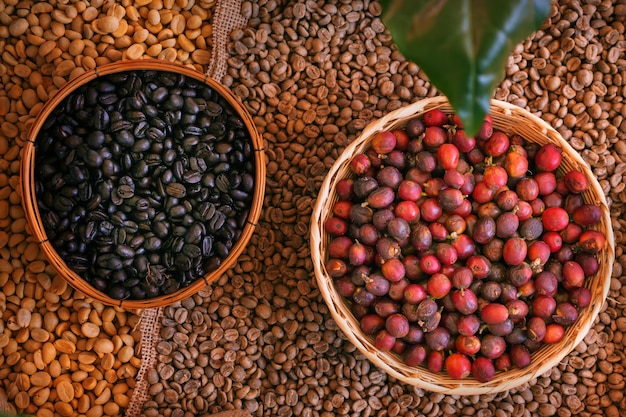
[(510, 119), (33, 215)]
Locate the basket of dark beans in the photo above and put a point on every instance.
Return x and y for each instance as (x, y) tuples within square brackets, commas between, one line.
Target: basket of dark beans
[(143, 182), (463, 265)]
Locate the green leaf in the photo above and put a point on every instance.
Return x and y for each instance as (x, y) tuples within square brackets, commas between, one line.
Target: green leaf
[(463, 45)]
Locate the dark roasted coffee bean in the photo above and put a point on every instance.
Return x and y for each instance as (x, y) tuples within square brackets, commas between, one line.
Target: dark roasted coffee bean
[(158, 123), (152, 160), (222, 183), (160, 229), (137, 292), (194, 234), (69, 191), (178, 168), (176, 190), (205, 211), (155, 133), (141, 216), (126, 191), (114, 263), (118, 292), (169, 156), (207, 245), (221, 249), (142, 204), (150, 111), (182, 262), (125, 251), (118, 125), (136, 116), (50, 220), (189, 142), (173, 118), (167, 177), (78, 174), (107, 99), (137, 242), (171, 286), (125, 138), (93, 203), (140, 169), (167, 259), (140, 129), (136, 102), (108, 86), (152, 243), (216, 221), (141, 145), (97, 215), (95, 139), (62, 204), (193, 130), (160, 94), (213, 109), (177, 211), (174, 102), (127, 180), (239, 195), (119, 236), (191, 106), (93, 159), (110, 168), (117, 218), (197, 164), (88, 231), (221, 167), (130, 226), (78, 263), (223, 147), (101, 118), (116, 199), (192, 177)]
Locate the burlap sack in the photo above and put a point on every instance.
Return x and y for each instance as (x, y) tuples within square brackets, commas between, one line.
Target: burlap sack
[(149, 325)]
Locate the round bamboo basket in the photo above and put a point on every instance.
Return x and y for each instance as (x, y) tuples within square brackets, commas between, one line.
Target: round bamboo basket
[(510, 119), (29, 199)]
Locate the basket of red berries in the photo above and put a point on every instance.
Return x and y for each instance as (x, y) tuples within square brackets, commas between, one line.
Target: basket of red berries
[(458, 264)]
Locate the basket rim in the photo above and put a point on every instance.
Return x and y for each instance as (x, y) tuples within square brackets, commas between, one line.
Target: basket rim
[(34, 218), (419, 376)]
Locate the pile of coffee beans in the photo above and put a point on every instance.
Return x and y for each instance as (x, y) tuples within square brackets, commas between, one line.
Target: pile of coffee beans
[(144, 180), (312, 74), (463, 253)]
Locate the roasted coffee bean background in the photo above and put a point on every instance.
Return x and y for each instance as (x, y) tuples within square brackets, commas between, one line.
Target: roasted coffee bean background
[(312, 74), (144, 181)]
